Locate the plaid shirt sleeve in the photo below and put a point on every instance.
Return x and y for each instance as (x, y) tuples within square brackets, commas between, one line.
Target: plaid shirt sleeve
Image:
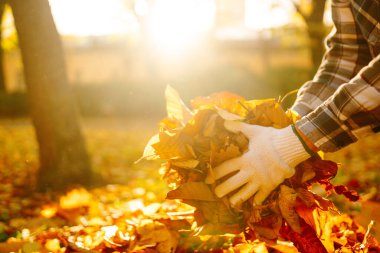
[(342, 103)]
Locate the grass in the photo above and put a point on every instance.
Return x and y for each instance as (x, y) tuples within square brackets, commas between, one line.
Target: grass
[(114, 146)]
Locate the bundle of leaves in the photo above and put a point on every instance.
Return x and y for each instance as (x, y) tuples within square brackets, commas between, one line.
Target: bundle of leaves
[(194, 142)]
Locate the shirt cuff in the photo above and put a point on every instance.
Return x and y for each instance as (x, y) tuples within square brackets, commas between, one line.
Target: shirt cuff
[(301, 108), (325, 130)]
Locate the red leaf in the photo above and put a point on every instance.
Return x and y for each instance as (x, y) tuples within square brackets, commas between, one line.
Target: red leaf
[(343, 190), (340, 190), (306, 213), (306, 242)]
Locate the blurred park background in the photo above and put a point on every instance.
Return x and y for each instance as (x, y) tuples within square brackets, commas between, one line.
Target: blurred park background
[(117, 56), (121, 54)]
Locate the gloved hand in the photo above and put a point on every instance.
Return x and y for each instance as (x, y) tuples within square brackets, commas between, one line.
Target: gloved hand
[(271, 158)]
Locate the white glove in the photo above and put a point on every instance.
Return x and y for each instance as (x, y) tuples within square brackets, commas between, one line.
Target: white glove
[(271, 158)]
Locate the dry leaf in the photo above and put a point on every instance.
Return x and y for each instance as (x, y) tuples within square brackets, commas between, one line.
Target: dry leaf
[(186, 164), (75, 198), (149, 152), (175, 107), (287, 202), (192, 191)]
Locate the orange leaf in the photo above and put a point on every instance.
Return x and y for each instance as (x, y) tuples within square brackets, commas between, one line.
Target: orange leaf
[(193, 191), (287, 201)]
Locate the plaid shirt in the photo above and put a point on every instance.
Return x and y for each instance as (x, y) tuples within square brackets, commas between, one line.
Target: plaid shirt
[(342, 103)]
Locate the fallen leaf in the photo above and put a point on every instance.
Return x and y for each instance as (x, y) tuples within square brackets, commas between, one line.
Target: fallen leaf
[(76, 198), (192, 191)]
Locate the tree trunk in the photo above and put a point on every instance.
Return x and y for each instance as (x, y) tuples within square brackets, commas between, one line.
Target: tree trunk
[(2, 81), (315, 28), (316, 31), (63, 157)]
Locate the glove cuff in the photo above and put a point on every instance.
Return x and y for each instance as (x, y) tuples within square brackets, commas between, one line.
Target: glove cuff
[(289, 147)]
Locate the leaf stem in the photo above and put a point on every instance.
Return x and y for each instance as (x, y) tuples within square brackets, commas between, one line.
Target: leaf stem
[(243, 105), (281, 100)]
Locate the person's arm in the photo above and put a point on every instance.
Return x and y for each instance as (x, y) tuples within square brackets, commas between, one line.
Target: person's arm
[(347, 52), (335, 123), (339, 106), (273, 153)]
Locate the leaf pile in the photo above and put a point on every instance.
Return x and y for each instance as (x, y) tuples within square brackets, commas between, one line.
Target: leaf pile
[(193, 142)]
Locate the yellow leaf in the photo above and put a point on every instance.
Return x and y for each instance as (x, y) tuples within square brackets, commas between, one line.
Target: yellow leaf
[(218, 156), (293, 115), (154, 233), (49, 211), (31, 247), (284, 247), (267, 112), (151, 209), (173, 145), (255, 247), (192, 190), (186, 164), (217, 212), (53, 245), (199, 122), (75, 198), (225, 100), (170, 244), (149, 152), (228, 115), (210, 126), (175, 107)]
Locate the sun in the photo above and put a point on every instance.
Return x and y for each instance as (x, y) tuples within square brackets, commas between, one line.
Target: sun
[(175, 25)]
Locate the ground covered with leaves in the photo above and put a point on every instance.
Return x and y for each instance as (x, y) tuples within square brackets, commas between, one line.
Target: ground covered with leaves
[(132, 215), (120, 219)]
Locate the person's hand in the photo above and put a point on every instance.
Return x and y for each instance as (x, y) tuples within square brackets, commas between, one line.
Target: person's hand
[(271, 158)]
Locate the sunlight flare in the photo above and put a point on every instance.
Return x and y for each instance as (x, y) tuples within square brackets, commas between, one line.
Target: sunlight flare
[(260, 15), (174, 25)]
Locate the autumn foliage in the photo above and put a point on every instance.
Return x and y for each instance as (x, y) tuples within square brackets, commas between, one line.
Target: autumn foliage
[(119, 218), (193, 142)]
